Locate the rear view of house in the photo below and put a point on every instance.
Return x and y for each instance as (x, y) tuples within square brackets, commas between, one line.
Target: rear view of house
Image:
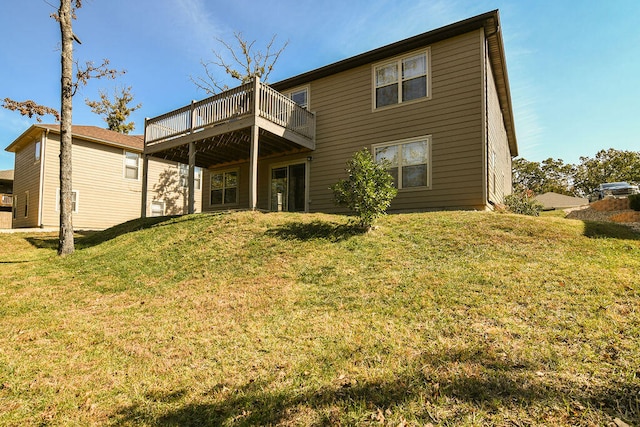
[(106, 175), (437, 106)]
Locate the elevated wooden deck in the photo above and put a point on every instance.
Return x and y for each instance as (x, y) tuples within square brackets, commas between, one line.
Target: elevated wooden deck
[(243, 124), (220, 125)]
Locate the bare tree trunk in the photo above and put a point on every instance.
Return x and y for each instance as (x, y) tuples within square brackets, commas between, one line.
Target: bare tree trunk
[(66, 245)]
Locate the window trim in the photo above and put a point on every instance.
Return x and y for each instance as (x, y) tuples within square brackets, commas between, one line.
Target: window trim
[(74, 210), (286, 164), (37, 150), (398, 61), (224, 171), (125, 166), (428, 139), (289, 94), (164, 207), (26, 204), (197, 176)]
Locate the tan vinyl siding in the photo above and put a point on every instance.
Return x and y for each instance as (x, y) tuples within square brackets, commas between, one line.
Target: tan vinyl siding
[(105, 196), (346, 122), (499, 171), (164, 185), (27, 179)]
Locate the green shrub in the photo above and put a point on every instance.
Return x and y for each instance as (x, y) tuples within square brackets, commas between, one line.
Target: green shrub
[(367, 191), (523, 203), (634, 202)]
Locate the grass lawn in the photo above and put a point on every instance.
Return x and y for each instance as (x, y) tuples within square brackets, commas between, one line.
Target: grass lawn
[(454, 318)]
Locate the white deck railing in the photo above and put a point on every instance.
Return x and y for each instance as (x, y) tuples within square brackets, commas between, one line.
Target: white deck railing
[(229, 105), (6, 199)]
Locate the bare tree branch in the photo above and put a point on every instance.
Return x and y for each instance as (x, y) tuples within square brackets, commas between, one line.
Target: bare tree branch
[(89, 71), (246, 63)]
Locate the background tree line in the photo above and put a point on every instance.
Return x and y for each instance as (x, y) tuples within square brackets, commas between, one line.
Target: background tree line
[(579, 180)]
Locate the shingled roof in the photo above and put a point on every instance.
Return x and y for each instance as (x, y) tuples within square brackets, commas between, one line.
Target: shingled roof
[(89, 133)]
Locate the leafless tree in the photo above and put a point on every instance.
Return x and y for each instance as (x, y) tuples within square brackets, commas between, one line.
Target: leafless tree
[(65, 15), (246, 63)]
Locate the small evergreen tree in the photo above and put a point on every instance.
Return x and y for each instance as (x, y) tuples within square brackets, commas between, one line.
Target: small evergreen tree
[(368, 190), (115, 112)]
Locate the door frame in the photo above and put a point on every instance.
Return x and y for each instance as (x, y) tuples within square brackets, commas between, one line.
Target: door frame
[(303, 161)]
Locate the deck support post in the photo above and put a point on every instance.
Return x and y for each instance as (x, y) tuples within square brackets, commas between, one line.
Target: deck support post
[(191, 207), (253, 150), (253, 169), (145, 179)]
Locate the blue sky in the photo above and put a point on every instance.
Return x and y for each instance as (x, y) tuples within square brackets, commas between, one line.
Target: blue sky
[(574, 66)]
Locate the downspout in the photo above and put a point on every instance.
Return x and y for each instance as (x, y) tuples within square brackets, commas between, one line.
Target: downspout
[(43, 150)]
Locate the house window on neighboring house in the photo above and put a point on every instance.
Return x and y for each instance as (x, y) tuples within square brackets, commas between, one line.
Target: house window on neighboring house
[(402, 80), (131, 165), (157, 208), (224, 188), (74, 201), (38, 149), (26, 204), (409, 161), (184, 176)]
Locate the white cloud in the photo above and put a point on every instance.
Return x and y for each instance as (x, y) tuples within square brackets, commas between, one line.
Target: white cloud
[(195, 24)]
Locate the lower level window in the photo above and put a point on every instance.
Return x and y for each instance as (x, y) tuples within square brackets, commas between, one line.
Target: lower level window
[(224, 188), (408, 161), (74, 201), (157, 208)]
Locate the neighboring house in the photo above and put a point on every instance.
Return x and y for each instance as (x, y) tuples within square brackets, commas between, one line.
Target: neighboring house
[(436, 105), (106, 179), (551, 200), (6, 198)]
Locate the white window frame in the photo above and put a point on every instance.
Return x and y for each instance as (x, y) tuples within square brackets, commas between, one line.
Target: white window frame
[(164, 207), (289, 94), (126, 166), (75, 209), (399, 144), (38, 150), (398, 62), (197, 176), (223, 172)]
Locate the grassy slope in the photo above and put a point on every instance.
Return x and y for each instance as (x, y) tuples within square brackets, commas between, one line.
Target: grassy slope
[(455, 318)]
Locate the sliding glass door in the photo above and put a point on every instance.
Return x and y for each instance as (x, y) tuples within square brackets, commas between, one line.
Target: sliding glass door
[(288, 188)]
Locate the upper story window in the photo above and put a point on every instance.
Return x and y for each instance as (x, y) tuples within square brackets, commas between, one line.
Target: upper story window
[(184, 176), (38, 149), (131, 165), (300, 97), (409, 161), (402, 80)]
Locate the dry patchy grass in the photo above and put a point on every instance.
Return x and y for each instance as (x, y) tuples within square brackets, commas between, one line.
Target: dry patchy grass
[(456, 318)]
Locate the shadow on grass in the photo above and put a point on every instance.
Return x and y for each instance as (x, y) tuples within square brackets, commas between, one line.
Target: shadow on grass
[(86, 239), (609, 230), (316, 230), (431, 385)]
